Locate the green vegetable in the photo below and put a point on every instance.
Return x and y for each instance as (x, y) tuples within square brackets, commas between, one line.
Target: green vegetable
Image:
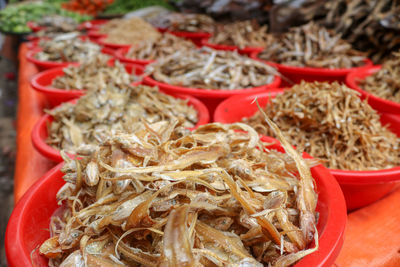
[(125, 6)]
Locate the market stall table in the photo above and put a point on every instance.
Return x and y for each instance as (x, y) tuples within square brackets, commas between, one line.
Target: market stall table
[(372, 236)]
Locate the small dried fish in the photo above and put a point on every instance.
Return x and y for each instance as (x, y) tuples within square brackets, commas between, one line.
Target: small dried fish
[(194, 199), (311, 45), (56, 25), (129, 31), (386, 82), (110, 109), (167, 45), (67, 48), (330, 122), (94, 74), (241, 34), (185, 22), (211, 69)]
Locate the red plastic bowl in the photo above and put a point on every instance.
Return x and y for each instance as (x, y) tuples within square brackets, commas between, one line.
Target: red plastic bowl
[(95, 34), (34, 27), (360, 188), (40, 133), (196, 37), (297, 74), (93, 24), (42, 81), (26, 229), (249, 50), (120, 54), (211, 98), (380, 104), (102, 41)]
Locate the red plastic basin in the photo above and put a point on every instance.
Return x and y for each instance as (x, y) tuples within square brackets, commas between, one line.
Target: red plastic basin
[(249, 50), (93, 24), (95, 34), (42, 81), (26, 229), (102, 41), (34, 27), (297, 74), (120, 54), (196, 37), (40, 131), (360, 188), (380, 104), (211, 98)]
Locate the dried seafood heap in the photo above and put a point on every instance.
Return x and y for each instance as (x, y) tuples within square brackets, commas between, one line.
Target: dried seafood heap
[(94, 74), (57, 23), (167, 197), (211, 69), (330, 122), (67, 48), (312, 46), (241, 34), (129, 31), (167, 45), (185, 22), (100, 113), (386, 82)]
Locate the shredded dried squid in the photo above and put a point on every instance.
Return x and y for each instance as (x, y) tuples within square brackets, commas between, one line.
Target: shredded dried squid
[(164, 196)]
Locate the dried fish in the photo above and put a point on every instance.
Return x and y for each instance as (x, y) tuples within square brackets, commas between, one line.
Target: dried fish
[(94, 74), (330, 122), (311, 45), (107, 110), (185, 22), (129, 31), (241, 34), (56, 25), (211, 69), (167, 45), (185, 202), (67, 48), (385, 83)]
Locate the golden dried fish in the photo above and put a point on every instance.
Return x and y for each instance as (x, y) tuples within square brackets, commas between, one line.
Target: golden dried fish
[(167, 45), (385, 83), (93, 74), (211, 69), (173, 211), (185, 22), (311, 45), (99, 113), (330, 122)]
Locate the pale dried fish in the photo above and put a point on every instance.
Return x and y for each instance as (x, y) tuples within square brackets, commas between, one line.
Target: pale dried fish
[(185, 22)]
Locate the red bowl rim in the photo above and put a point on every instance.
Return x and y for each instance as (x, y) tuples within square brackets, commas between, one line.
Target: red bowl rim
[(211, 93), (195, 35), (91, 24), (121, 55), (330, 240), (343, 176), (34, 27), (94, 33), (248, 50), (310, 70), (101, 41)]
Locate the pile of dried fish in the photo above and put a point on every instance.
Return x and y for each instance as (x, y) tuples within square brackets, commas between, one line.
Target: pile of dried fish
[(67, 48), (330, 122), (386, 82), (312, 46), (166, 197), (100, 113), (57, 24), (211, 69), (129, 31), (167, 45), (185, 22), (94, 74), (241, 34)]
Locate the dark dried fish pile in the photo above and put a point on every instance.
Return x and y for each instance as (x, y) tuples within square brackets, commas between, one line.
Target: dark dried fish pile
[(241, 34), (100, 113), (330, 122), (94, 74), (386, 82), (129, 31), (162, 196), (185, 22), (211, 69), (67, 48), (167, 45), (312, 46)]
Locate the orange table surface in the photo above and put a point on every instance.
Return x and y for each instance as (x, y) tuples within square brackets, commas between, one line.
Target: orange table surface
[(372, 235)]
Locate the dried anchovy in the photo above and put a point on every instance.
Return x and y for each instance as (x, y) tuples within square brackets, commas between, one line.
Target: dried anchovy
[(312, 46), (67, 48), (98, 114), (241, 34), (330, 122), (162, 196), (94, 74), (386, 82), (129, 31), (211, 69), (167, 45), (185, 22)]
